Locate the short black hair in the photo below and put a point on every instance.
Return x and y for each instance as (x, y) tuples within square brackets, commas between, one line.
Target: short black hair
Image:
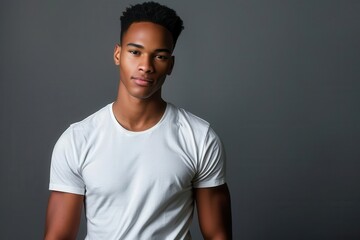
[(155, 13)]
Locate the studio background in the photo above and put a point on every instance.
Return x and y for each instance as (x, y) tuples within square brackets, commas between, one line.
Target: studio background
[(278, 81)]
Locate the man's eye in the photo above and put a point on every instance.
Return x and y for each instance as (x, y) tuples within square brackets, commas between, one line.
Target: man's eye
[(162, 57), (134, 52)]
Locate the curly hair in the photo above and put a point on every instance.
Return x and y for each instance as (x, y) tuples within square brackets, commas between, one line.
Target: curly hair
[(155, 13)]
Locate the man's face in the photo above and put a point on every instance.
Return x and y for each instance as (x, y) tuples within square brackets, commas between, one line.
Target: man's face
[(144, 59)]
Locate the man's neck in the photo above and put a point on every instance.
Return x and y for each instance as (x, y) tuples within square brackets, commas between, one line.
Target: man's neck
[(138, 114)]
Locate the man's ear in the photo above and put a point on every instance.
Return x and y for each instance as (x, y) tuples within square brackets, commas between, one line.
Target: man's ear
[(117, 52), (171, 65)]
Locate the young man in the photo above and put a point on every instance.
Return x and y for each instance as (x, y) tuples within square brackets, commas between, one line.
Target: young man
[(139, 164)]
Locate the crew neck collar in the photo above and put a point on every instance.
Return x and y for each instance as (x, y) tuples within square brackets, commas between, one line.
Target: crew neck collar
[(129, 132)]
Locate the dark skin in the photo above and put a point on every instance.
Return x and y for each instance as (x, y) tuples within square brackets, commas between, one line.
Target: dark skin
[(144, 59), (63, 215)]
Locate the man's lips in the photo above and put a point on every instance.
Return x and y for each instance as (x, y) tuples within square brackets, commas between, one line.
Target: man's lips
[(142, 81)]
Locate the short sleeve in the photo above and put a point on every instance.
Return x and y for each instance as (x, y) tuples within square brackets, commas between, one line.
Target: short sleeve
[(64, 170), (211, 165)]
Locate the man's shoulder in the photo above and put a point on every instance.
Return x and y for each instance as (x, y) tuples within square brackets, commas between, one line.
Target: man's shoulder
[(185, 118), (94, 120), (89, 125)]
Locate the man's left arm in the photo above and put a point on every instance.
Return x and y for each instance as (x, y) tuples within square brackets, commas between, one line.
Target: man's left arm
[(214, 212)]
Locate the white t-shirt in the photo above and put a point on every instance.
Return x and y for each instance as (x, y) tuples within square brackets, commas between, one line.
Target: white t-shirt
[(138, 185)]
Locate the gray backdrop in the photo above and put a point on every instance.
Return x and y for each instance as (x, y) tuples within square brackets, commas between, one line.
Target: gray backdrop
[(278, 81)]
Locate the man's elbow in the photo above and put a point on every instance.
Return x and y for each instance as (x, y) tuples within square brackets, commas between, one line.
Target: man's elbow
[(219, 236), (58, 236)]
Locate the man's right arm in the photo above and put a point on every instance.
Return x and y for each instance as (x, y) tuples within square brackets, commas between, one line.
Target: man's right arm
[(63, 215)]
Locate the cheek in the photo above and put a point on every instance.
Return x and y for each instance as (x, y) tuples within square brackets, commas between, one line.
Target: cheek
[(164, 68), (126, 66)]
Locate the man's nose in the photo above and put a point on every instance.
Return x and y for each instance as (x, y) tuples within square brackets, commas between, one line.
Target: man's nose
[(146, 64)]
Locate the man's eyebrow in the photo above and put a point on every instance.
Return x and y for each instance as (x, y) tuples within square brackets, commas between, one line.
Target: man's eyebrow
[(135, 45), (142, 47), (163, 50)]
